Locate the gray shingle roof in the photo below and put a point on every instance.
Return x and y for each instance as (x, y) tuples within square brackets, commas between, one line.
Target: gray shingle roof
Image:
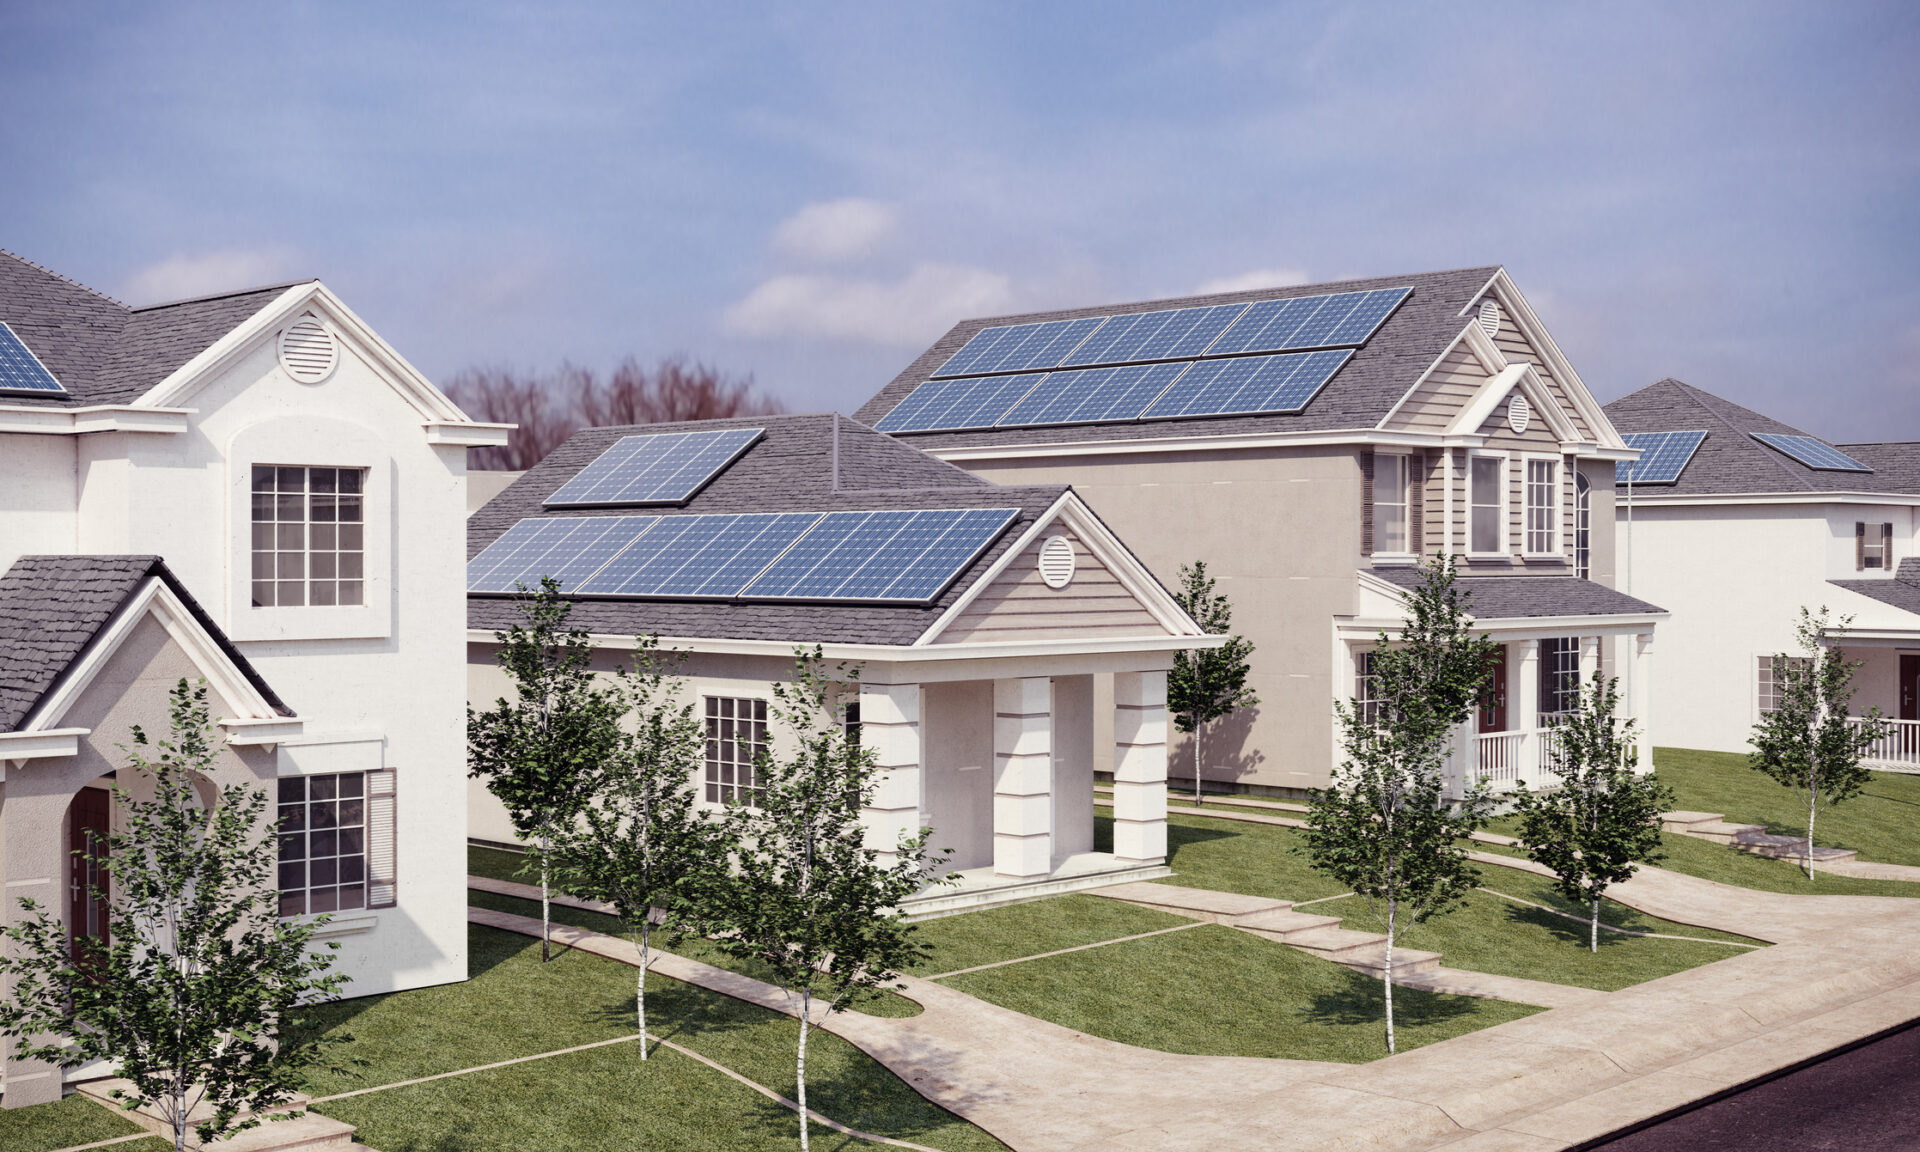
[(102, 351), (1902, 592), (52, 608), (1731, 461), (790, 469), (1520, 597), (1360, 395)]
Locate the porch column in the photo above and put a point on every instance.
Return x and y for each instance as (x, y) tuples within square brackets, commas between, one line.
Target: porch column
[(890, 725), (1640, 699), (36, 864), (1527, 723), (1140, 767), (1023, 777), (1589, 661)]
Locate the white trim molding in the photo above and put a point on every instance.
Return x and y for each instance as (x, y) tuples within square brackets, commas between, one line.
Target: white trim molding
[(34, 420)]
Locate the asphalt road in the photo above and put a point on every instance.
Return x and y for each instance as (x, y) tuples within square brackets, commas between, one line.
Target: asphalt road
[(1866, 1100)]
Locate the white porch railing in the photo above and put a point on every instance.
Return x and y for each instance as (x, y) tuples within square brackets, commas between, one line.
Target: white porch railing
[(1504, 759), (1898, 749)]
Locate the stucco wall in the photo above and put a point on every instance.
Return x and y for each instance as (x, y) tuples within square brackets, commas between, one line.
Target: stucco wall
[(37, 508)]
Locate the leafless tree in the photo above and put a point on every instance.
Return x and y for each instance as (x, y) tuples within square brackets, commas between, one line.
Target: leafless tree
[(552, 406)]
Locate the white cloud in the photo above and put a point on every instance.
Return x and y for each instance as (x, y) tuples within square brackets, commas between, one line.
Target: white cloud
[(834, 231), (911, 310), (1258, 278), (223, 270)]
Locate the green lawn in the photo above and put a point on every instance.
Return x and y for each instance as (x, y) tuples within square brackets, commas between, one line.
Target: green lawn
[(1228, 856), (603, 1098), (74, 1120), (1220, 992), (1882, 823), (1017, 930)]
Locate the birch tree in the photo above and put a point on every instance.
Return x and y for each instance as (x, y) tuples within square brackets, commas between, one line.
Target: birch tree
[(542, 753), (199, 989), (1209, 685), (1385, 827), (1807, 742), (1602, 817)]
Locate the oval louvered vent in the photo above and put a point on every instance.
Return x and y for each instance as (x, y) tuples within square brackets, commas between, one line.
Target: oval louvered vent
[(1489, 316), (1056, 562), (308, 350), (1519, 415)]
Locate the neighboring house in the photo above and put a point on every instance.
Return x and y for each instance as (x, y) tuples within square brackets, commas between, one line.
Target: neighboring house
[(1312, 445), (1006, 639), (1735, 534), (252, 490)]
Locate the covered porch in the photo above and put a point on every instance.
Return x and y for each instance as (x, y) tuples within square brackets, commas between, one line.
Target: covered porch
[(1888, 678)]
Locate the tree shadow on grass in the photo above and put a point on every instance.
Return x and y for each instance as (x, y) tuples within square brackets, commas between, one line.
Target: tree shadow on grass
[(865, 1096), (1362, 1001), (1568, 932)]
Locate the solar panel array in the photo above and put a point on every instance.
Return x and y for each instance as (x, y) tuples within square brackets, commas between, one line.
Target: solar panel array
[(1813, 453), (663, 468), (1663, 456), (1214, 360), (20, 369), (896, 555)]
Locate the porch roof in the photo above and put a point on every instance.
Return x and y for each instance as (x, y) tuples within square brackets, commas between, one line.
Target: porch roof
[(1902, 592), (1522, 597)]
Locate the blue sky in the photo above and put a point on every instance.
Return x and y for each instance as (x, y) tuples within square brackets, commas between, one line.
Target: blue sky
[(1726, 193)]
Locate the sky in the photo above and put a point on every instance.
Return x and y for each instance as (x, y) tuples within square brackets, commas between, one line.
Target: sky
[(1724, 193)]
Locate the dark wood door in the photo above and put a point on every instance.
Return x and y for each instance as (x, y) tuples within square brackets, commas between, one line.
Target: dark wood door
[(88, 825), (1493, 698), (1909, 687)]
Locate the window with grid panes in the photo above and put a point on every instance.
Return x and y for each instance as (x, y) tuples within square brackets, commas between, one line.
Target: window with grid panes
[(1390, 479), (323, 843), (736, 736), (1543, 506), (309, 546), (1485, 480), (1366, 701), (1769, 685), (1559, 675), (1582, 527)]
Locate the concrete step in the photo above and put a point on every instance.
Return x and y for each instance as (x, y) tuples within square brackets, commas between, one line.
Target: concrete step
[(1407, 962), (1684, 821), (1753, 838), (1193, 903), (1284, 922)]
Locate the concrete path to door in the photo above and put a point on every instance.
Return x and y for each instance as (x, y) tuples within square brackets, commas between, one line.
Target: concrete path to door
[(1843, 967)]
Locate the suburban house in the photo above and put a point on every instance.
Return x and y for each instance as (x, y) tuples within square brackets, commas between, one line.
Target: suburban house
[(1830, 525), (1312, 445), (1007, 640), (251, 490)]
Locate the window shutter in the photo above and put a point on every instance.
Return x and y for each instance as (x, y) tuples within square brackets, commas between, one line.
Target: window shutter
[(1859, 545), (1366, 501), (1886, 547), (380, 837), (1417, 503)]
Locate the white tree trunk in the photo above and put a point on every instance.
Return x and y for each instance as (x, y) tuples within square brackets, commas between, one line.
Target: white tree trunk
[(1386, 973), (640, 985), (806, 1010), (1593, 943), (1197, 726), (1813, 802)]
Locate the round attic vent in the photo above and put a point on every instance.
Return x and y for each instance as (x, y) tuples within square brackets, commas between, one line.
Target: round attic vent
[(1519, 415), (1489, 316), (1056, 561), (309, 350)]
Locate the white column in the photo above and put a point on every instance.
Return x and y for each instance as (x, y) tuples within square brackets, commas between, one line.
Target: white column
[(1527, 667), (1589, 661), (890, 725), (1640, 698), (1140, 767), (1023, 777)]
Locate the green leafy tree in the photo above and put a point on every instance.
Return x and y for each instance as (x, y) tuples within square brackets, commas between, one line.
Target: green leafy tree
[(643, 844), (1603, 816), (542, 753), (200, 992), (1205, 686), (1807, 742), (1385, 827), (808, 899)]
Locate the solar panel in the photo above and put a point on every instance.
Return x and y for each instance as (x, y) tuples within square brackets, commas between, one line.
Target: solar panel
[(887, 555), (20, 369), (1813, 453), (944, 405), (1343, 318), (569, 549), (1155, 335), (1019, 347), (1248, 385), (711, 555), (953, 546), (662, 468), (1087, 394), (1663, 456)]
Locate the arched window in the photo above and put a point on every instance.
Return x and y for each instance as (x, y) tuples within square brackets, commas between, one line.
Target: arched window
[(1582, 526)]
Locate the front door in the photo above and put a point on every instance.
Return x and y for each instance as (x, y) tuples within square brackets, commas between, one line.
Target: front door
[(1909, 687), (88, 825), (1493, 698)]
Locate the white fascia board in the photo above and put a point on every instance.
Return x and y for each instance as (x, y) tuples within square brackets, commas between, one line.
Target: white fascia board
[(1509, 376), (1642, 496), (1494, 365), (35, 421), (1351, 437), (1492, 391), (468, 435), (1515, 301), (44, 744), (894, 653), (270, 730), (1891, 635), (1613, 624)]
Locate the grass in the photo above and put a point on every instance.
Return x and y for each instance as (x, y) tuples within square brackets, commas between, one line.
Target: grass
[(603, 1098), (1017, 930), (73, 1120), (1879, 823), (1219, 992), (1223, 856)]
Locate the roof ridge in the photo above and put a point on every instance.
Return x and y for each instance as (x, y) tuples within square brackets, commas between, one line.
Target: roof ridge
[(224, 295), (1700, 397), (65, 279)]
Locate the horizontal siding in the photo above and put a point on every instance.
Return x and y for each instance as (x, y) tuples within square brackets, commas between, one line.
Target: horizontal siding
[(1018, 605), (1439, 398), (1515, 346)]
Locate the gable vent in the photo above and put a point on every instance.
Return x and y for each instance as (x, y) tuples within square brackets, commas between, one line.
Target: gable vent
[(309, 350), (1056, 561), (1490, 316)]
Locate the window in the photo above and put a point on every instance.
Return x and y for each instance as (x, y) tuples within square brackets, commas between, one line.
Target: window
[(1559, 675), (1390, 504), (1366, 699), (1769, 686), (1487, 501), (1872, 546), (309, 543), (850, 723), (323, 843), (1543, 506), (1582, 527), (736, 738)]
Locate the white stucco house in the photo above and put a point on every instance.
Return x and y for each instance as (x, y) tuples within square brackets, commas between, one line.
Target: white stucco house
[(1734, 521), (252, 489)]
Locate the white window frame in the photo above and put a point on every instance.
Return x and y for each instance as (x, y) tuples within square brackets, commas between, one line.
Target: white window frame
[(1554, 510), (745, 785), (1405, 504), (1501, 516), (1763, 685)]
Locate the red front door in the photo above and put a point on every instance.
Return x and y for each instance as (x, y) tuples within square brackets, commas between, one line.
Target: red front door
[(1493, 698), (88, 825)]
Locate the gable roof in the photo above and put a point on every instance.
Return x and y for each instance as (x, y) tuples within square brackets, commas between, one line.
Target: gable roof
[(804, 463), (1730, 461), (1359, 396), (1520, 597), (1902, 592), (100, 350), (54, 608)]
